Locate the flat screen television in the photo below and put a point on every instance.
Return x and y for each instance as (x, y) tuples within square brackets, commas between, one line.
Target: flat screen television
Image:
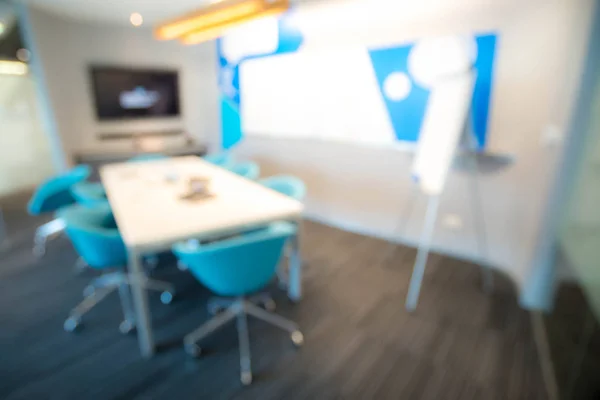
[(122, 93)]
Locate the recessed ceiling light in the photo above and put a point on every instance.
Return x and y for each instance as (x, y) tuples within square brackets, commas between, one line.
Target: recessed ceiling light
[(23, 55), (136, 19)]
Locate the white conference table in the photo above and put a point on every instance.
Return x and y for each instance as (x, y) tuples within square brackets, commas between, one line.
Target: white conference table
[(151, 216)]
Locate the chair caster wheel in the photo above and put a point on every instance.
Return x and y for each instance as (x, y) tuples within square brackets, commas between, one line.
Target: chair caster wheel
[(166, 297), (152, 261), (246, 378), (193, 350), (80, 266), (88, 290), (297, 338), (270, 305), (72, 324), (126, 327), (214, 309), (181, 266)]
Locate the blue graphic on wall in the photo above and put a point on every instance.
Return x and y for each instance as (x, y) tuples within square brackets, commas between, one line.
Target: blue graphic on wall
[(406, 115), (392, 71)]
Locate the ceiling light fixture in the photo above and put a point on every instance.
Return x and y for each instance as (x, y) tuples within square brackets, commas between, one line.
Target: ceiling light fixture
[(202, 35), (136, 19), (210, 22)]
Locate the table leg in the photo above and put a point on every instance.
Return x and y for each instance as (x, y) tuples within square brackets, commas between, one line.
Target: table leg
[(140, 303), (295, 269)]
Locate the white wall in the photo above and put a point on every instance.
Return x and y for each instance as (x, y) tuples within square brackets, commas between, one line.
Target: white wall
[(539, 57), (67, 48)]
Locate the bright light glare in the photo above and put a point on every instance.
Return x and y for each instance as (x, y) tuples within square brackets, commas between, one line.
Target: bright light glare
[(13, 68), (136, 19)]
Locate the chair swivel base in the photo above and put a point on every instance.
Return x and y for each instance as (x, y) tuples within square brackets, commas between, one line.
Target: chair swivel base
[(74, 323), (238, 310), (104, 285), (217, 305)]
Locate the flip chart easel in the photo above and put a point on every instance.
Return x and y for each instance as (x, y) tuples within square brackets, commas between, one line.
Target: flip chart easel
[(447, 126)]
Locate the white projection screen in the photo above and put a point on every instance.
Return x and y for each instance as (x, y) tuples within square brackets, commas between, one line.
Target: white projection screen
[(314, 94), (335, 96)]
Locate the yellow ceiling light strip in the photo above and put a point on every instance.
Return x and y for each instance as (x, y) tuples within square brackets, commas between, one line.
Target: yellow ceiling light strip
[(203, 35), (217, 17)]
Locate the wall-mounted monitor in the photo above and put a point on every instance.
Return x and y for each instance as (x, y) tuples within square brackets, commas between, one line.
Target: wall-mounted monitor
[(124, 93)]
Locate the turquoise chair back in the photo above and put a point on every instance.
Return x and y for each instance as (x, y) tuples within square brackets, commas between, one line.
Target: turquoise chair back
[(248, 170), (56, 192), (239, 265), (89, 194), (286, 184), (147, 157), (222, 159), (94, 234)]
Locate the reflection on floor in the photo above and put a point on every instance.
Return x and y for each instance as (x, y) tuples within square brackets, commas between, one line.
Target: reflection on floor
[(360, 343), (573, 334)]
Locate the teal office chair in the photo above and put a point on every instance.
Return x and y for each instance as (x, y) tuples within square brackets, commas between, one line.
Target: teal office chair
[(95, 236), (222, 159), (238, 268), (148, 157), (286, 184), (89, 194), (248, 170), (50, 196)]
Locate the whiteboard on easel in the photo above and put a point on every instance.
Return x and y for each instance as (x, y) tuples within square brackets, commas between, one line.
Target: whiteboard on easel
[(443, 126)]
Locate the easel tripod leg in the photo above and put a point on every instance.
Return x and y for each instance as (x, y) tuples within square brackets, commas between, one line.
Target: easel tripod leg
[(402, 223), (480, 229), (416, 279)]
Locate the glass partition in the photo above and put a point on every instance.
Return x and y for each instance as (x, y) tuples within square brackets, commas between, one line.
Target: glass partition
[(25, 157)]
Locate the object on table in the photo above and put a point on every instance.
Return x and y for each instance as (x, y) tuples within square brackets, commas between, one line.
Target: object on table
[(198, 188)]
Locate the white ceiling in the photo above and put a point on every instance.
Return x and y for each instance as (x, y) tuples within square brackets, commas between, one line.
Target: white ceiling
[(118, 11), (155, 11)]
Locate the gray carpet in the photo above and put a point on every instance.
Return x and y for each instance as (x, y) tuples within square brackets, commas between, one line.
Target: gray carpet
[(360, 343)]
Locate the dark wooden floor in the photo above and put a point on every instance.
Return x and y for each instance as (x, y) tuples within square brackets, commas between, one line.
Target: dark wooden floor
[(360, 343), (573, 334)]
